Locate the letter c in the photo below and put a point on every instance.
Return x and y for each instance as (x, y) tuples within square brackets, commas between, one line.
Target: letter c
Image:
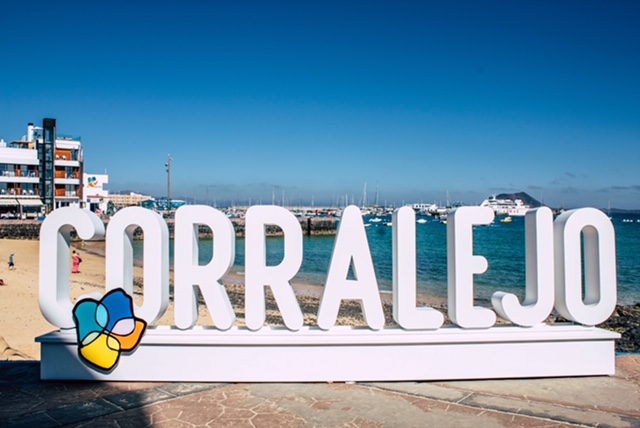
[(55, 236)]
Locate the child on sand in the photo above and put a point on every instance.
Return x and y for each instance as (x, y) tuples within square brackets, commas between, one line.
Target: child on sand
[(11, 265)]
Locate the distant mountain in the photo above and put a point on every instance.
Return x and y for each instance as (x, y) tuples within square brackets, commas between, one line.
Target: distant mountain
[(525, 197)]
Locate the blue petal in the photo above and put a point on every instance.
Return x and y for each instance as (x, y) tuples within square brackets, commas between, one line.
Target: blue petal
[(84, 315), (102, 315), (119, 305)]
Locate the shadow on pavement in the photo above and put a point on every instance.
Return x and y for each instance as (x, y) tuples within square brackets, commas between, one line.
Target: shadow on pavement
[(29, 402)]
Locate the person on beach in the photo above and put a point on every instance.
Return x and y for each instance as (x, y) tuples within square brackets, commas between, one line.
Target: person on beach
[(11, 265), (76, 260)]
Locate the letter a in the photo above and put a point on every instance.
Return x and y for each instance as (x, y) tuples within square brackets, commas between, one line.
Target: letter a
[(351, 243)]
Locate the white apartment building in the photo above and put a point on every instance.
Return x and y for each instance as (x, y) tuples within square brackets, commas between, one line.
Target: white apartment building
[(40, 172)]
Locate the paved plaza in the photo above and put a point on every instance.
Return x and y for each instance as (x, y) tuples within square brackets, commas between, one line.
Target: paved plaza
[(612, 401)]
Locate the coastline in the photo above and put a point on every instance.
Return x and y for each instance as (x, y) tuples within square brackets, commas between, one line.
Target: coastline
[(21, 320)]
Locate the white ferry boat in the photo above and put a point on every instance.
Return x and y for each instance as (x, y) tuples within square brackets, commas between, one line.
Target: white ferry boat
[(506, 206)]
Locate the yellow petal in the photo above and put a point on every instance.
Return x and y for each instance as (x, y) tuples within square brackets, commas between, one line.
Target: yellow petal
[(101, 352)]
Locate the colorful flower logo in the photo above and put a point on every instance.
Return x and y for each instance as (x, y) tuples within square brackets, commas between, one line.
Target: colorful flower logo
[(107, 327), (93, 181)]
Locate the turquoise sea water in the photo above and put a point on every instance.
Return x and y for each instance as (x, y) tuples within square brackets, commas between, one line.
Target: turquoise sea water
[(502, 244)]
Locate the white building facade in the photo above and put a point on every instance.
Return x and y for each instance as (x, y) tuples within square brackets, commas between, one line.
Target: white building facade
[(40, 172), (95, 196)]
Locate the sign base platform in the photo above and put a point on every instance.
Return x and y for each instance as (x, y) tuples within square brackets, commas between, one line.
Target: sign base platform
[(341, 354)]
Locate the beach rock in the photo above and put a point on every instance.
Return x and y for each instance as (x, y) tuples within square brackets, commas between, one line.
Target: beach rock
[(10, 354), (626, 321)]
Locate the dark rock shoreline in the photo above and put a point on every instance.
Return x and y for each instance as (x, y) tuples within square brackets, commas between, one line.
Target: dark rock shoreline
[(624, 320)]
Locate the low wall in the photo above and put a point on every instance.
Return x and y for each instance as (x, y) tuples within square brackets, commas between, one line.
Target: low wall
[(20, 229), (30, 229), (310, 226)]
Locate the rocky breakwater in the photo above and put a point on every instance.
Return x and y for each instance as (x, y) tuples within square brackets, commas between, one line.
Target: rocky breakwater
[(313, 226), (30, 229), (20, 229)]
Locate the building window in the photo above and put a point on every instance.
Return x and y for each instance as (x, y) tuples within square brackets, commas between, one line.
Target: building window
[(24, 170), (27, 189), (7, 170)]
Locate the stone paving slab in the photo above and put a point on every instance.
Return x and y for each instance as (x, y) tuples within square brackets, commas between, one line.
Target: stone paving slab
[(614, 401), (27, 401), (320, 405)]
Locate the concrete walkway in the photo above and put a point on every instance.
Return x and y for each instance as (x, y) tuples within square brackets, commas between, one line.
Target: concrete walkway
[(564, 402)]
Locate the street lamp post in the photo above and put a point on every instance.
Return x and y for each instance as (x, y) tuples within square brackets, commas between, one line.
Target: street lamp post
[(168, 165)]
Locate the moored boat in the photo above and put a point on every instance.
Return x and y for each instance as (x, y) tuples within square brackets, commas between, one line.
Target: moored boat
[(506, 206)]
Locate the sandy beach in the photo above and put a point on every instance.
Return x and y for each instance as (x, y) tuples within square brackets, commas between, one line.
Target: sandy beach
[(20, 317)]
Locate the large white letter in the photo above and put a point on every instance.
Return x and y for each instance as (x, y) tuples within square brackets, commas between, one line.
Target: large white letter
[(119, 253), (189, 274), (404, 276), (462, 264), (539, 296), (351, 244), (600, 280), (53, 297), (258, 274)]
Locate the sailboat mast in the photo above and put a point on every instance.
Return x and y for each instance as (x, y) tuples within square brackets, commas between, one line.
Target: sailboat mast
[(364, 196), (376, 203)]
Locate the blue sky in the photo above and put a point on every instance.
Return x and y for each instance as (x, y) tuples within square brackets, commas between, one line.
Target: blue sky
[(313, 99)]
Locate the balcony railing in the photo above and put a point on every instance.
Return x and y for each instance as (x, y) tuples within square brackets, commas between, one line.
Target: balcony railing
[(6, 173), (68, 157)]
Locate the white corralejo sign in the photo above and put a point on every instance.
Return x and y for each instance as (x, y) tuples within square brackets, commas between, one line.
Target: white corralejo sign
[(91, 339)]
